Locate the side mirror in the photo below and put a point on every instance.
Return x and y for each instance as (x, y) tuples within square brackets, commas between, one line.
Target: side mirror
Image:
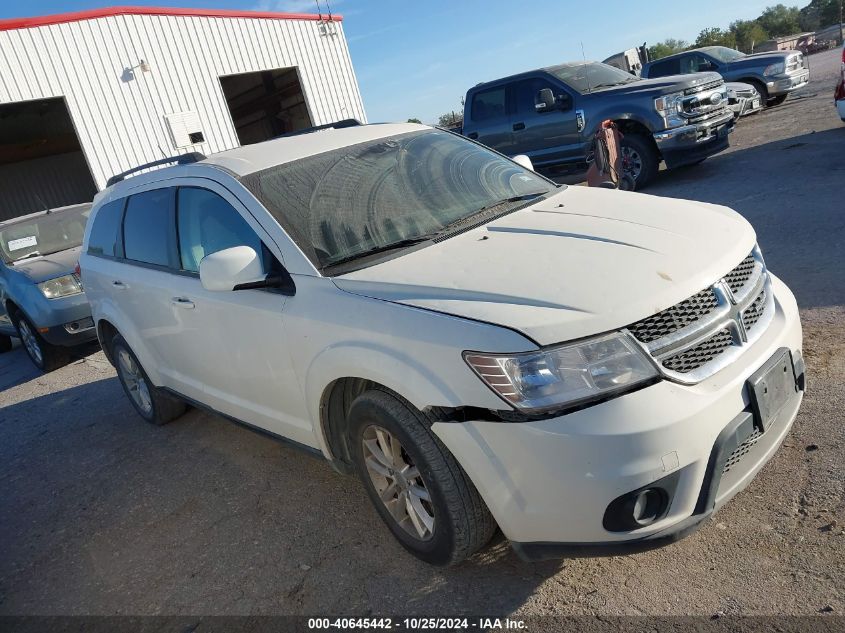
[(524, 161), (240, 268), (544, 101), (232, 267)]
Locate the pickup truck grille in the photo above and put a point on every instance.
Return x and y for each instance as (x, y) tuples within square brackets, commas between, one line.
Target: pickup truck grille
[(693, 339), (708, 86)]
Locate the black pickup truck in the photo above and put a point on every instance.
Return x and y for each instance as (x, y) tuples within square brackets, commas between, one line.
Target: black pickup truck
[(552, 114)]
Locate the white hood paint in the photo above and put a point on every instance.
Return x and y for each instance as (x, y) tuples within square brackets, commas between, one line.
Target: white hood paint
[(582, 262)]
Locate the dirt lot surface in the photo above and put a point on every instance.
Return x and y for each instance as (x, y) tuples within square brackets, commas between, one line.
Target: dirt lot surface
[(102, 514)]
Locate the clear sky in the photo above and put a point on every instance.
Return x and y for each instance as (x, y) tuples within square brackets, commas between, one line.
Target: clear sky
[(416, 58)]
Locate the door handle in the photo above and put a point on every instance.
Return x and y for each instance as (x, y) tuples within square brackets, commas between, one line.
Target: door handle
[(182, 302), (119, 284), (472, 135), (518, 126)]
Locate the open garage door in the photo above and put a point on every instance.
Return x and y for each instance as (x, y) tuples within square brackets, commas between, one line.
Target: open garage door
[(41, 160), (265, 104)]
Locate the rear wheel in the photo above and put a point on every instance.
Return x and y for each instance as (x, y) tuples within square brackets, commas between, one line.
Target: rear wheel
[(153, 404), (416, 485), (44, 355), (639, 159)]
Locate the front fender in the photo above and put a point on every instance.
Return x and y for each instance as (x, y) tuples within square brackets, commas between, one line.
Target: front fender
[(635, 115)]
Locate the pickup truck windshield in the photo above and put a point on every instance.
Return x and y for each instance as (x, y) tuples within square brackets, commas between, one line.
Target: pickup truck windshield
[(591, 76), (390, 192), (723, 53), (43, 234)]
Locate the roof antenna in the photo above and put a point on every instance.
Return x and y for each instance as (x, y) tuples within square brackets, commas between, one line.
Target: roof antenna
[(38, 199), (586, 73), (163, 154)]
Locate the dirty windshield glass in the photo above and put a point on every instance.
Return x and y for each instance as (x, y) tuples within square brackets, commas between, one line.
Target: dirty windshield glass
[(44, 234), (591, 76), (366, 198), (723, 53)]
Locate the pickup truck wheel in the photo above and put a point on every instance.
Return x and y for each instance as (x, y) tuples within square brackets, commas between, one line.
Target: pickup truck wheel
[(639, 159), (776, 101), (45, 356), (416, 485), (761, 91), (5, 343), (155, 405)]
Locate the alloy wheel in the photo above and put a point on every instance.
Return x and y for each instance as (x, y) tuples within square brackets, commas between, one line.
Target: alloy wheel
[(632, 162), (30, 342), (135, 382), (398, 482)]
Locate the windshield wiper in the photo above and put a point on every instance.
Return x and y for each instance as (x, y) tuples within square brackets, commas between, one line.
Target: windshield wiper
[(487, 208), (382, 249), (28, 255)]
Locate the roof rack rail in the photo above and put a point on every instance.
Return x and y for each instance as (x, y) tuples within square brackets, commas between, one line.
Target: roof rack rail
[(337, 125), (181, 159)]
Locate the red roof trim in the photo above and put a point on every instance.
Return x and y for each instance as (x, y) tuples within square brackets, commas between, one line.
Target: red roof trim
[(60, 18)]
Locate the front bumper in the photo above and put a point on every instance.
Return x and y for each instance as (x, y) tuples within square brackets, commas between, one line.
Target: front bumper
[(549, 483), (784, 84), (690, 143), (65, 321)]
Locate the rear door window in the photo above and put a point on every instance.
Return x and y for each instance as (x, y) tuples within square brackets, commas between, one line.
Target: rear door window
[(104, 238), (147, 227), (489, 105), (664, 68), (207, 223)]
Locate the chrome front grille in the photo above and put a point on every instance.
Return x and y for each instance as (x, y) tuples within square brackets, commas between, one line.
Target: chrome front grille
[(698, 336)]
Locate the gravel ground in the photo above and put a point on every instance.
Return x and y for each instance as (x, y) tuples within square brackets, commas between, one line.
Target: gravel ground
[(102, 514)]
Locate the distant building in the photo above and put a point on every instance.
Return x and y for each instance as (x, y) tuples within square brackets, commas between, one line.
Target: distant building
[(86, 95)]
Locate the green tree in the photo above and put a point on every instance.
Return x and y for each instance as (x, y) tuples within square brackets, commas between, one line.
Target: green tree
[(715, 37), (748, 34), (819, 14), (666, 48), (450, 119), (414, 121), (781, 20)]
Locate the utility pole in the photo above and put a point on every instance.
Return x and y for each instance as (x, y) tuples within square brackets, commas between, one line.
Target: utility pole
[(841, 39)]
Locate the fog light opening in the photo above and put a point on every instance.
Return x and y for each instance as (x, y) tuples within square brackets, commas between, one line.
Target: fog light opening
[(649, 506)]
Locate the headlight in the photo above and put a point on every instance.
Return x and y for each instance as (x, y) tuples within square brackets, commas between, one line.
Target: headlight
[(670, 104), (60, 287), (565, 375), (774, 69)]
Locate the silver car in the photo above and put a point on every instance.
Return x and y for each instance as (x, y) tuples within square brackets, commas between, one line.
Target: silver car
[(41, 297)]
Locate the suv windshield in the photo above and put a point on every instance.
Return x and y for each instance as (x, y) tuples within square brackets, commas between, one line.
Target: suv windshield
[(388, 193), (591, 76), (44, 234), (723, 53)]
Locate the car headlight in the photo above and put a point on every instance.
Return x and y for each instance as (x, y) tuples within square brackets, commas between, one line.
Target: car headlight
[(670, 104), (774, 69), (63, 286), (567, 375)]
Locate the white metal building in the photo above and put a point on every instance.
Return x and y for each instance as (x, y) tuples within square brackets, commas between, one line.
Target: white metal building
[(87, 95)]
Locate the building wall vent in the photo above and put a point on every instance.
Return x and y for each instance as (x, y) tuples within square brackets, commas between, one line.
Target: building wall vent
[(184, 128)]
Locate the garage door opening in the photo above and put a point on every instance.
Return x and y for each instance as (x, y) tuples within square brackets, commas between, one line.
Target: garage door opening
[(265, 104), (41, 159)]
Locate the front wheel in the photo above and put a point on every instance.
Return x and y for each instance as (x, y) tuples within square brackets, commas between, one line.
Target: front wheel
[(776, 101), (640, 161), (416, 485), (44, 355)]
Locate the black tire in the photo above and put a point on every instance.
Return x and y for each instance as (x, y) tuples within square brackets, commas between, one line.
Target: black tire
[(5, 343), (462, 522), (163, 407), (776, 101), (649, 162), (760, 87), (46, 356)]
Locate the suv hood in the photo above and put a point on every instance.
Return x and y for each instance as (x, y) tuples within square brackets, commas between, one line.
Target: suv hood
[(40, 269), (662, 85), (756, 60), (582, 262)]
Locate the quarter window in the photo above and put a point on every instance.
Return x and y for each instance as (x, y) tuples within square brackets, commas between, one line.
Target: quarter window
[(146, 227), (489, 104), (106, 229), (207, 224)]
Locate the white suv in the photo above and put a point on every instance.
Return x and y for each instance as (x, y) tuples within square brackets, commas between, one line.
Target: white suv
[(591, 371)]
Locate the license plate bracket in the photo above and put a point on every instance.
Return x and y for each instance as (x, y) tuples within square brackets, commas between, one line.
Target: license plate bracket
[(771, 387)]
